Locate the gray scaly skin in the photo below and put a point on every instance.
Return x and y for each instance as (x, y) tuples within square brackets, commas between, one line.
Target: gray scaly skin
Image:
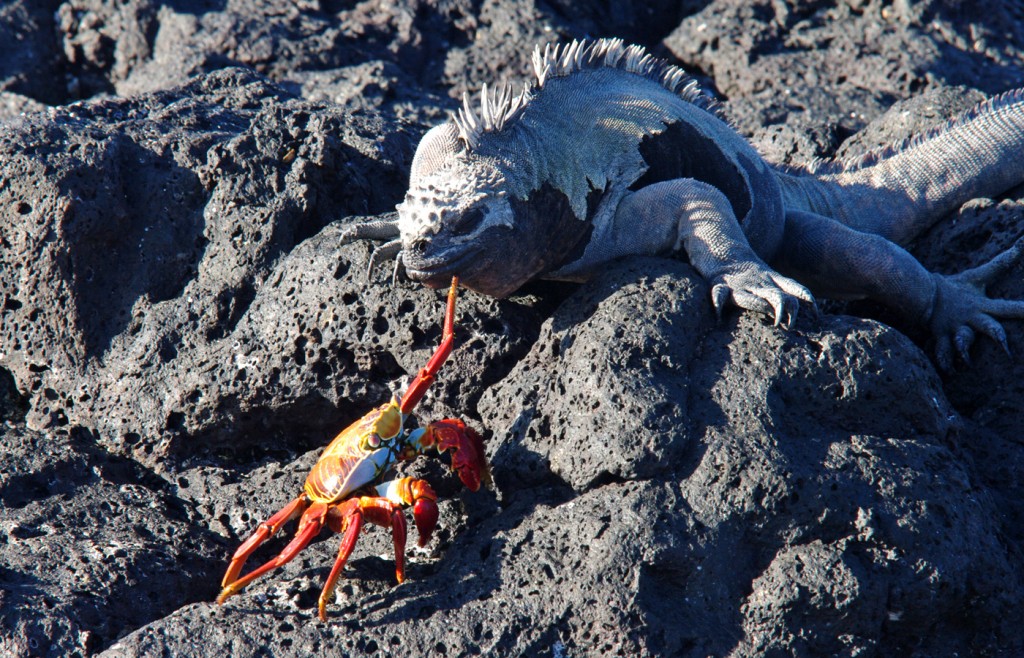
[(612, 153)]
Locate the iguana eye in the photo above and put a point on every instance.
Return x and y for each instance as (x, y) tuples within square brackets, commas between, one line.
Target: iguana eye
[(467, 222)]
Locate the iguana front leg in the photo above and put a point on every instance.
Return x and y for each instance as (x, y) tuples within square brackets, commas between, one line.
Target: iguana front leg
[(377, 229), (837, 261), (696, 217)]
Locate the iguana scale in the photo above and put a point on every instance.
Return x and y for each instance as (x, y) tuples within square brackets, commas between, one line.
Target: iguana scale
[(612, 153)]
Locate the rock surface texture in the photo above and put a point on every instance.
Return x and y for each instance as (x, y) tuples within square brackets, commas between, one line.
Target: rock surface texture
[(181, 334)]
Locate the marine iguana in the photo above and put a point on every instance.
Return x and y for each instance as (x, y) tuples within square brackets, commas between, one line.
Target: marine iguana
[(611, 152)]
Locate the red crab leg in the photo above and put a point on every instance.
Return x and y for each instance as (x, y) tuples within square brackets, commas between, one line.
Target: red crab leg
[(425, 377), (310, 525), (353, 523), (265, 530), (380, 511)]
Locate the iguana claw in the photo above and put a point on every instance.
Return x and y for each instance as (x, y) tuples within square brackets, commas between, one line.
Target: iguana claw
[(377, 229), (962, 310), (754, 286), (719, 298)]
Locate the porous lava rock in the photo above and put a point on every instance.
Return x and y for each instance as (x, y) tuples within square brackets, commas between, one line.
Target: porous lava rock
[(182, 331)]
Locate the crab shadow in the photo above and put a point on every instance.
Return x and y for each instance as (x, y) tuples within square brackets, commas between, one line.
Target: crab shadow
[(470, 569)]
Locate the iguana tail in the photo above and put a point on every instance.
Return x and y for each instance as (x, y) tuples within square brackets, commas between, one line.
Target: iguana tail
[(901, 191)]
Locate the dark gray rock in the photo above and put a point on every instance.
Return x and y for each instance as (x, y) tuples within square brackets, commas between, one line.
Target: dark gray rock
[(201, 196), (990, 389), (172, 210), (92, 545), (815, 442), (816, 493), (31, 66), (771, 59), (603, 394), (181, 333), (394, 57)]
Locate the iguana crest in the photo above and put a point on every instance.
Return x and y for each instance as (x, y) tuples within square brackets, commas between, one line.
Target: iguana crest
[(497, 109)]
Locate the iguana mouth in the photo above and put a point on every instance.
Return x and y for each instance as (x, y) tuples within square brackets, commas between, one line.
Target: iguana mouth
[(440, 269)]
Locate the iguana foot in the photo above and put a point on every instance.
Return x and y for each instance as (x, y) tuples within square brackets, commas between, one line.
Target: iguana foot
[(962, 309), (377, 229), (754, 286)]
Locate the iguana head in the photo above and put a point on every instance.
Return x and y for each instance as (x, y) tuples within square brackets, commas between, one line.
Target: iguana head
[(458, 218)]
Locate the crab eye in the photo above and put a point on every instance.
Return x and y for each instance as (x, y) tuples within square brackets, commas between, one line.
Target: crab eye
[(373, 441)]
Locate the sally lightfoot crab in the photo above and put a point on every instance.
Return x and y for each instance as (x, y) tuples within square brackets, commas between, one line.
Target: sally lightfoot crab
[(346, 487)]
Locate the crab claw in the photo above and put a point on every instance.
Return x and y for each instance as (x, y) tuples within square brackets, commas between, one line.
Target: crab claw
[(419, 494), (424, 513), (467, 449)]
